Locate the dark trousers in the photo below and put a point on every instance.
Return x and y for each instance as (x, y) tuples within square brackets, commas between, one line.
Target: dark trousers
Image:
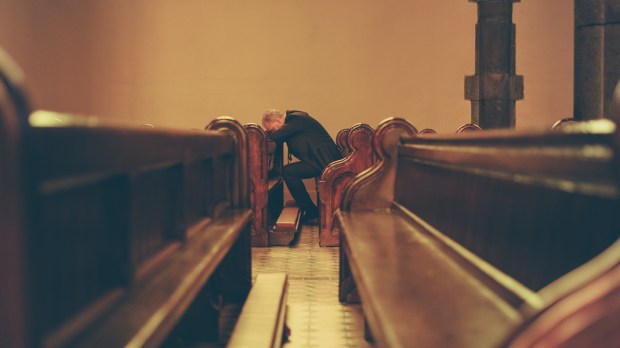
[(292, 174)]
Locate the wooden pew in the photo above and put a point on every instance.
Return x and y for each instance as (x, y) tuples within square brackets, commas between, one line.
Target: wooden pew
[(337, 175), (342, 142), (486, 239), (267, 186), (117, 235)]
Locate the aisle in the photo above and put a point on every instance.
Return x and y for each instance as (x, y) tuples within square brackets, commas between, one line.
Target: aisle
[(315, 316)]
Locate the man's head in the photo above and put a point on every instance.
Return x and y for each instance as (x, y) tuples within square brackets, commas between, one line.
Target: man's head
[(273, 119)]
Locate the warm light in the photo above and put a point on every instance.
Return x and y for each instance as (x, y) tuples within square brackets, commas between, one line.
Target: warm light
[(44, 118)]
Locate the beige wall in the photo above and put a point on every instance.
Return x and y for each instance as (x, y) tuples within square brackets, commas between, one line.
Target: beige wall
[(182, 63)]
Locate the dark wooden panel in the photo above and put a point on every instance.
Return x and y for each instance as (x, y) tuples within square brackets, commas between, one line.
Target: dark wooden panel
[(266, 194), (533, 233), (78, 249)]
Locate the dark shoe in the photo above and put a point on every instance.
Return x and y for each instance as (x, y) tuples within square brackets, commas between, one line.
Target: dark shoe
[(311, 222), (310, 219)]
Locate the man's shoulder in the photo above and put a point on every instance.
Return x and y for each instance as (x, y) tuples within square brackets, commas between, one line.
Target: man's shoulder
[(298, 117), (296, 113)]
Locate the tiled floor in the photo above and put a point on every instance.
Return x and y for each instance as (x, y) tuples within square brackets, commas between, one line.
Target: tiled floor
[(315, 316)]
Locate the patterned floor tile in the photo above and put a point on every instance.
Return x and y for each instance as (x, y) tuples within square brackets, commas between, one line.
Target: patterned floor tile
[(316, 317)]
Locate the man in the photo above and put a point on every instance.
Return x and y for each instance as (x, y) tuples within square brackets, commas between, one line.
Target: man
[(308, 141)]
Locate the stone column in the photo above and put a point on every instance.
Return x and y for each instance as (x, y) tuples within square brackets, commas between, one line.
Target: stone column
[(494, 89), (597, 57)]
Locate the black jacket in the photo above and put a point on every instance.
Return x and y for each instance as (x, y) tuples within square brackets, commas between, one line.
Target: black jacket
[(306, 139)]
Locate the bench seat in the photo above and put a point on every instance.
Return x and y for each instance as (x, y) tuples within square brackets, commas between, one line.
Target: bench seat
[(407, 313)]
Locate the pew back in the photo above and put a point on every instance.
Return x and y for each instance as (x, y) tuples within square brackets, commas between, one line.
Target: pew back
[(534, 206), (267, 188)]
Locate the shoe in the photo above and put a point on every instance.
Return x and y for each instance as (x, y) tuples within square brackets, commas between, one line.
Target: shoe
[(311, 222), (310, 219)]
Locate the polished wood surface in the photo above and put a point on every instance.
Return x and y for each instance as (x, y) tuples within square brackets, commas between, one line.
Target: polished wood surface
[(337, 175), (262, 322), (287, 225), (562, 123), (267, 186), (342, 141), (414, 295), (486, 238)]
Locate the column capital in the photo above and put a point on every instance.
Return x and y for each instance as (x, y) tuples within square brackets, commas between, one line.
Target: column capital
[(494, 87)]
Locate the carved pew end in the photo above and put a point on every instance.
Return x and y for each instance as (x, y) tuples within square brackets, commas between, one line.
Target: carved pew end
[(287, 226)]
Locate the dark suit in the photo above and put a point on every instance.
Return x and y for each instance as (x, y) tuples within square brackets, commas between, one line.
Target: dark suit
[(311, 144)]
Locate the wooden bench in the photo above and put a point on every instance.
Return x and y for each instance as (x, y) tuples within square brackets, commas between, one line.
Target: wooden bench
[(486, 239), (337, 175), (267, 186), (117, 235)]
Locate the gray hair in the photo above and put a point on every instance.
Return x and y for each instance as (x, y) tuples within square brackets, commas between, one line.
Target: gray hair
[(271, 115)]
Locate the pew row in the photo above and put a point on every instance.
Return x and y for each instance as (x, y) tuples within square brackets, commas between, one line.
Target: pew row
[(485, 239), (339, 174), (266, 184), (116, 235)]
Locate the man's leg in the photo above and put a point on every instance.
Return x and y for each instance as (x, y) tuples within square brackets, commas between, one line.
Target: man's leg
[(292, 174)]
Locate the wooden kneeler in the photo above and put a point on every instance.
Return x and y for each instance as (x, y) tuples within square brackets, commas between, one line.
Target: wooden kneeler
[(287, 226), (262, 322)]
